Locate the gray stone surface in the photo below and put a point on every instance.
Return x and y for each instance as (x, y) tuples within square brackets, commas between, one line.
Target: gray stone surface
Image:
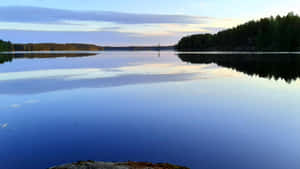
[(110, 165), (91, 165)]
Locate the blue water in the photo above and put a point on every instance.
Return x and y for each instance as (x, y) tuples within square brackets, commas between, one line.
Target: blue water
[(145, 106)]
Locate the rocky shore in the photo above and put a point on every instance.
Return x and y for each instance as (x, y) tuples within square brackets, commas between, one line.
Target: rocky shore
[(121, 165)]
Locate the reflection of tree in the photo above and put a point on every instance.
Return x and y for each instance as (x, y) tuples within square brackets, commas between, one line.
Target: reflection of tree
[(9, 57), (5, 58), (277, 66)]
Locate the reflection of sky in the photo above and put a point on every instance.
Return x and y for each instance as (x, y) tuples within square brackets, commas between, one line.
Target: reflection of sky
[(3, 125), (99, 74), (200, 116), (95, 73)]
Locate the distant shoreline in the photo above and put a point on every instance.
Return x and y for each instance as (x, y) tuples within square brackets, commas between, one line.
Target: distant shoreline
[(138, 48), (83, 47)]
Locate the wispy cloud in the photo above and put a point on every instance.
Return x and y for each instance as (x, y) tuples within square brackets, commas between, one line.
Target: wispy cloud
[(23, 24), (26, 14)]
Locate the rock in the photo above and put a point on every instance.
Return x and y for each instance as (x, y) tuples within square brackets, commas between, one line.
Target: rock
[(122, 165)]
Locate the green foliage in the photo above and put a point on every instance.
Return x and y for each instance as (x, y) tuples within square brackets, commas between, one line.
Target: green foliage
[(267, 34)]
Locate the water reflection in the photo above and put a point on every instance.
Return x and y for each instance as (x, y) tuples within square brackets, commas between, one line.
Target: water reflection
[(40, 81), (10, 56), (3, 125), (161, 109), (271, 66), (98, 72)]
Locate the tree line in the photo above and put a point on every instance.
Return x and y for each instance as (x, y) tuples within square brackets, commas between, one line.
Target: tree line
[(56, 47), (280, 33), (5, 46)]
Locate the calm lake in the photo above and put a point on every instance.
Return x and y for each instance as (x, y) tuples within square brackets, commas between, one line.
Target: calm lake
[(200, 110)]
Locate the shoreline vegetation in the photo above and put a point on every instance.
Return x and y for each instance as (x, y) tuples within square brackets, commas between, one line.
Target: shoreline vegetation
[(80, 47), (267, 34), (6, 46), (56, 47)]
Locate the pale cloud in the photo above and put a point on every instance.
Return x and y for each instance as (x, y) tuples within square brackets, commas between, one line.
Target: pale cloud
[(212, 25), (144, 30), (103, 27), (142, 26), (72, 26), (26, 14)]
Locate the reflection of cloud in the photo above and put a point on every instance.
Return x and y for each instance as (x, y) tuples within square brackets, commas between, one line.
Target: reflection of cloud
[(4, 125), (30, 86), (65, 79), (95, 73), (15, 105), (32, 101)]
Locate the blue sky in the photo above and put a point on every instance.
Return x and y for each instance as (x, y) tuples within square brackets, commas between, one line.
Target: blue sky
[(130, 22)]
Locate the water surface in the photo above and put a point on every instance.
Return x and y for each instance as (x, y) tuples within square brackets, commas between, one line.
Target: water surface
[(204, 111)]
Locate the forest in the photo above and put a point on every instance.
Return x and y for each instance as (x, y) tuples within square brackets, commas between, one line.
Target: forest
[(56, 47), (281, 33), (5, 45)]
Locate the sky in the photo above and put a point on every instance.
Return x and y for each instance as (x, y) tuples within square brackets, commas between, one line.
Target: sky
[(128, 22)]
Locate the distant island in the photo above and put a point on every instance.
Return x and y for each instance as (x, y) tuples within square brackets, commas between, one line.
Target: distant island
[(267, 34)]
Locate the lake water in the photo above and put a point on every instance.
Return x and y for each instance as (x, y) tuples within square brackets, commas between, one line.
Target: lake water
[(203, 111)]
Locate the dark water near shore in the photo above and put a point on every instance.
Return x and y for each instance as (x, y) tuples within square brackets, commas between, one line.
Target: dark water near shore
[(204, 111)]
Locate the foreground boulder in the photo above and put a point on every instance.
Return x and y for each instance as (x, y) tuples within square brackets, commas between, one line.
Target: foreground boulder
[(123, 165)]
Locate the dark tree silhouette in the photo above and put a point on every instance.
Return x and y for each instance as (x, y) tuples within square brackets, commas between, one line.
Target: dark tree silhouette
[(271, 66), (267, 34), (5, 46)]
